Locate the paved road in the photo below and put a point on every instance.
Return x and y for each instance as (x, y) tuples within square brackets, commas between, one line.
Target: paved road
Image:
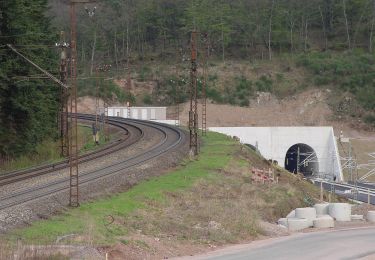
[(341, 244)]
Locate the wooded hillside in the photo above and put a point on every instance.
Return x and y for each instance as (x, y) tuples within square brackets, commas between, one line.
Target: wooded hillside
[(236, 28), (332, 39), (28, 107)]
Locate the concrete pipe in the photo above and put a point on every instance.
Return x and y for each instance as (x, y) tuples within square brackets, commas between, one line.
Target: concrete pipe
[(324, 222), (340, 211), (371, 216), (283, 222), (296, 224), (306, 213), (321, 208)]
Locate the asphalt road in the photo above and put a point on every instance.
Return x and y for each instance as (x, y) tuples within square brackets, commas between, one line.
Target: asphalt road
[(339, 190), (340, 244)]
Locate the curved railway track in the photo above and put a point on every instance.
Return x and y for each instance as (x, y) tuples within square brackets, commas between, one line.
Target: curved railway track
[(133, 134), (172, 137)]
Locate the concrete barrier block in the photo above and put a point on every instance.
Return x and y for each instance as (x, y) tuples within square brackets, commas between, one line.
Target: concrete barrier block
[(321, 208), (306, 213), (291, 214), (324, 222), (283, 222), (296, 224), (340, 211), (371, 216)]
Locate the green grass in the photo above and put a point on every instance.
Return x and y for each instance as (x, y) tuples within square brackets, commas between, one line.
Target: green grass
[(48, 152), (90, 219)]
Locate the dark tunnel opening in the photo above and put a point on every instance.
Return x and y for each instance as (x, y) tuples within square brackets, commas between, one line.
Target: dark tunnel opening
[(302, 158)]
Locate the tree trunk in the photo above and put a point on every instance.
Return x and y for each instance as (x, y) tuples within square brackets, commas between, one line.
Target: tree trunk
[(115, 47), (270, 31), (346, 23), (222, 39), (305, 31), (372, 26), (93, 53), (123, 46), (83, 58), (324, 29), (127, 44), (358, 26), (291, 38)]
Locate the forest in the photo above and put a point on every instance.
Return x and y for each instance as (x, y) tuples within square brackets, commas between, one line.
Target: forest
[(236, 28), (334, 39)]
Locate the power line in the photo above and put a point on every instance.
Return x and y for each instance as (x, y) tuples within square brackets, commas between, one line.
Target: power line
[(53, 78), (20, 35)]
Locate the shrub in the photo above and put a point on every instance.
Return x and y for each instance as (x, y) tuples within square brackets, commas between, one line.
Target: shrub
[(264, 84), (370, 119), (147, 99), (349, 72)]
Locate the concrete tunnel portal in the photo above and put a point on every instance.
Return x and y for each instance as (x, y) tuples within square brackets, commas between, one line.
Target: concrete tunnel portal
[(317, 148), (302, 158)]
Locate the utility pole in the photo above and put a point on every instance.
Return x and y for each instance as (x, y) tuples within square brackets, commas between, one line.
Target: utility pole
[(193, 115), (104, 68), (350, 161), (204, 85), (64, 95), (73, 131), (97, 105)]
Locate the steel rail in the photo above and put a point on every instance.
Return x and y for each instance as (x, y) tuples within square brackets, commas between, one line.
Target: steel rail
[(15, 176), (172, 138)]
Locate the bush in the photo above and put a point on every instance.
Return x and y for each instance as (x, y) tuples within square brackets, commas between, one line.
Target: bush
[(370, 119), (264, 84), (147, 99), (349, 72), (144, 73)]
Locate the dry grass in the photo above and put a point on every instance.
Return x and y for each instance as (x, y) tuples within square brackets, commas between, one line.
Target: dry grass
[(225, 208), (207, 202)]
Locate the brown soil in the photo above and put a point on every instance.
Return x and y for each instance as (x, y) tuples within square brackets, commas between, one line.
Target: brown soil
[(309, 108)]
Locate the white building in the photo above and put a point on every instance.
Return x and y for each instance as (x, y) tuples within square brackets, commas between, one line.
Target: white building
[(143, 113), (316, 147)]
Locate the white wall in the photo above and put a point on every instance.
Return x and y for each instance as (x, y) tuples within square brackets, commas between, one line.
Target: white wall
[(274, 142), (144, 113)]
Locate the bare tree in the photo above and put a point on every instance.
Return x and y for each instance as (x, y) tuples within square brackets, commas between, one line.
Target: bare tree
[(372, 26), (93, 53), (324, 29), (346, 23), (270, 30)]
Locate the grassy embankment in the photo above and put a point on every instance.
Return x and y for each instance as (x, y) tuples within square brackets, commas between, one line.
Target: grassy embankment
[(49, 151), (183, 204)]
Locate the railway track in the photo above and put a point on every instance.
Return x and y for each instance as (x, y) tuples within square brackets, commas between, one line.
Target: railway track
[(172, 137), (131, 136), (360, 192)]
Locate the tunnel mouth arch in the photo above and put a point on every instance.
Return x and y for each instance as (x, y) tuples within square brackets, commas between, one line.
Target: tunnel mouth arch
[(301, 158)]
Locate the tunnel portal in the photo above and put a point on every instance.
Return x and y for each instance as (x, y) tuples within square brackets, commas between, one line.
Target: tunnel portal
[(302, 158)]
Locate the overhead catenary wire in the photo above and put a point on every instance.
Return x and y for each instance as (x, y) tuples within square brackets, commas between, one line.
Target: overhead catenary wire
[(53, 78)]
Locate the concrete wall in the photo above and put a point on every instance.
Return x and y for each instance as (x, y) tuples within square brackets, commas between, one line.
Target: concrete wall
[(274, 142), (144, 113)]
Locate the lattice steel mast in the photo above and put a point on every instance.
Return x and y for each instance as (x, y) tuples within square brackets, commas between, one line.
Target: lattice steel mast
[(204, 84), (64, 95), (193, 113)]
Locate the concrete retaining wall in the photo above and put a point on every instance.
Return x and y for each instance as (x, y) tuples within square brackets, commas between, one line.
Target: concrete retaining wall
[(274, 142)]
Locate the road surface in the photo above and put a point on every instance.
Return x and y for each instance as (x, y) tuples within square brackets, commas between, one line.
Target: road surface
[(340, 244)]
